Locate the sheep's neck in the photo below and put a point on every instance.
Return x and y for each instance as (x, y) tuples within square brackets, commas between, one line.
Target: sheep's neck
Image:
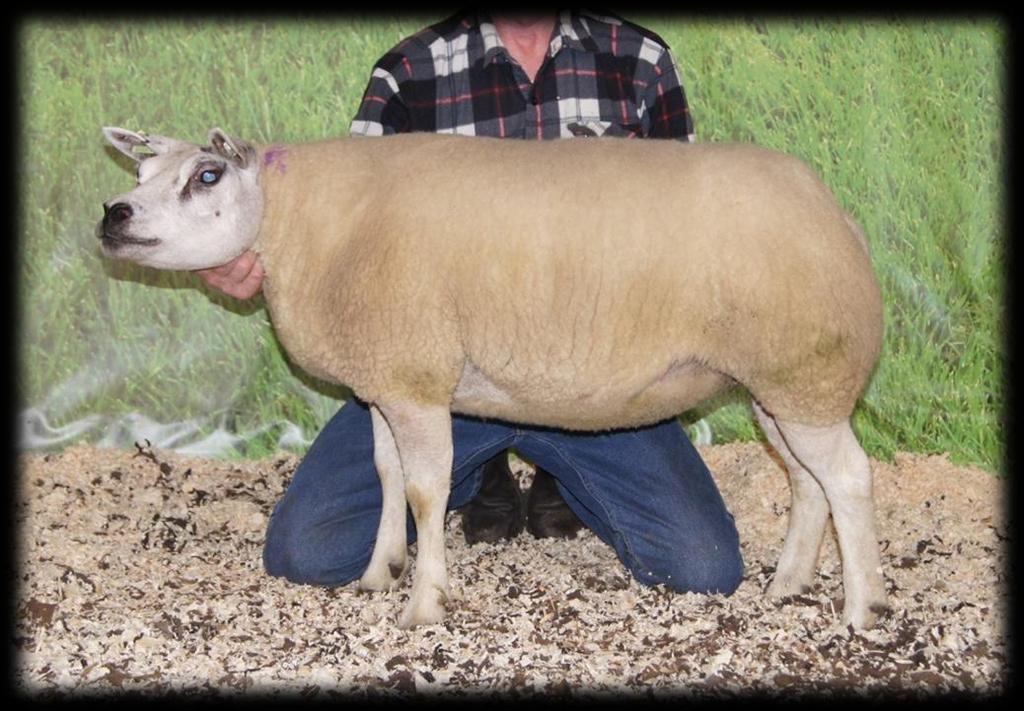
[(310, 192)]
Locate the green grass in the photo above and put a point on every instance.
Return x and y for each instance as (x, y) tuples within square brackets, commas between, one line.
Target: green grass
[(904, 120)]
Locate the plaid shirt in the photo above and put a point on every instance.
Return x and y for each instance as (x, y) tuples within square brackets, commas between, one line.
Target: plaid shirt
[(601, 76)]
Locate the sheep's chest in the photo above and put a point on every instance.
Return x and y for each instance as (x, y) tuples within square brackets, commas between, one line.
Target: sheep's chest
[(304, 339)]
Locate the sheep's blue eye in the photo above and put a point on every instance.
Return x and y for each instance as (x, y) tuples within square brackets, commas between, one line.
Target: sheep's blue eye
[(209, 177)]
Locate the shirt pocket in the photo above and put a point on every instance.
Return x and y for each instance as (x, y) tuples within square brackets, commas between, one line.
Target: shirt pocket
[(590, 128)]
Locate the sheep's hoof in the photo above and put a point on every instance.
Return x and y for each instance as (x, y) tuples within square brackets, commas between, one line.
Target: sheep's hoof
[(425, 609), (866, 617), (783, 586), (384, 577)]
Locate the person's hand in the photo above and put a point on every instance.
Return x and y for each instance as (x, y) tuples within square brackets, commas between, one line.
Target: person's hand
[(241, 278)]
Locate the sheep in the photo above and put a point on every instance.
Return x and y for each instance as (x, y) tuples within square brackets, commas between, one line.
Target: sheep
[(578, 284)]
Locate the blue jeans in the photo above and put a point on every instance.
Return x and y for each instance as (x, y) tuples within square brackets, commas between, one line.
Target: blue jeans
[(645, 492)]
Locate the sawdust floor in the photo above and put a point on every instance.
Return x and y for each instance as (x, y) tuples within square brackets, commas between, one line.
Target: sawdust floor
[(141, 571)]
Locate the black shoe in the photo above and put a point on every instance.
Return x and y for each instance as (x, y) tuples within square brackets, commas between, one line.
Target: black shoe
[(499, 510), (547, 514)]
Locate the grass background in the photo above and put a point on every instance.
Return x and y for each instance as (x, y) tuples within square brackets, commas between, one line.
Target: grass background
[(904, 119)]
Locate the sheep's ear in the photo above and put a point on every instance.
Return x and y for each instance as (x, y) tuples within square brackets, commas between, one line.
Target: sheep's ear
[(139, 146), (128, 142), (233, 149)]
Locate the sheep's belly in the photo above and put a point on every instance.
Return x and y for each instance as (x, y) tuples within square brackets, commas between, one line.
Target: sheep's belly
[(671, 392)]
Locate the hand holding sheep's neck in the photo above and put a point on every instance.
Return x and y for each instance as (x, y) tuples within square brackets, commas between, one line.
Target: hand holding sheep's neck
[(526, 38)]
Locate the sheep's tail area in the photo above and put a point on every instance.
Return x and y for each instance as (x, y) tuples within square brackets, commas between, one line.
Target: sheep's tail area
[(858, 233)]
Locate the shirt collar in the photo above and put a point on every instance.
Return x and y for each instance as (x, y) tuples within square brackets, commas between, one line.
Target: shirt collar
[(571, 30)]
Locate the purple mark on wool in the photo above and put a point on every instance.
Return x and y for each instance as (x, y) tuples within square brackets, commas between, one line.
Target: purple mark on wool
[(275, 156)]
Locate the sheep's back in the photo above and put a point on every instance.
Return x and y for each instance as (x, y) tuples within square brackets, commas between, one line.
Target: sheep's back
[(597, 269)]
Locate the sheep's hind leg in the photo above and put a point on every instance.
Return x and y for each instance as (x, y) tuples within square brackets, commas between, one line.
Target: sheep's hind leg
[(834, 457), (389, 561), (808, 517), (423, 435)]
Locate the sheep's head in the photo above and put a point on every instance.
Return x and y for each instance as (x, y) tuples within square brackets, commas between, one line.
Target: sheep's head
[(193, 207)]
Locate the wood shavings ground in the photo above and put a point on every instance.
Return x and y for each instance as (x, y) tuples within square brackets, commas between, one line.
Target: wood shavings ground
[(142, 572)]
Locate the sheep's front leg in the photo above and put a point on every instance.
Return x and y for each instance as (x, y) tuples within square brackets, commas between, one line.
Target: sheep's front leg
[(423, 435), (389, 562)]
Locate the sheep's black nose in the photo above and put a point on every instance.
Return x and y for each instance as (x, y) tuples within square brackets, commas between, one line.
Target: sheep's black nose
[(116, 213)]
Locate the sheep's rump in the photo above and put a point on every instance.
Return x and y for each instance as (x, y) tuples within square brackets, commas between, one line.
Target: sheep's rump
[(604, 283)]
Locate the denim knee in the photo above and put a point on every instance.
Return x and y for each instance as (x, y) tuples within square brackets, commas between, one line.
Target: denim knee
[(283, 558), (297, 555), (705, 566)]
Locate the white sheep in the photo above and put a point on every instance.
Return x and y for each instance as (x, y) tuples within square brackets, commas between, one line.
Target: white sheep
[(580, 284)]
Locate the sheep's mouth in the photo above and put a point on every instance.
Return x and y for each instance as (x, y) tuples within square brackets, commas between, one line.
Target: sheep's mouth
[(124, 247), (113, 242)]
